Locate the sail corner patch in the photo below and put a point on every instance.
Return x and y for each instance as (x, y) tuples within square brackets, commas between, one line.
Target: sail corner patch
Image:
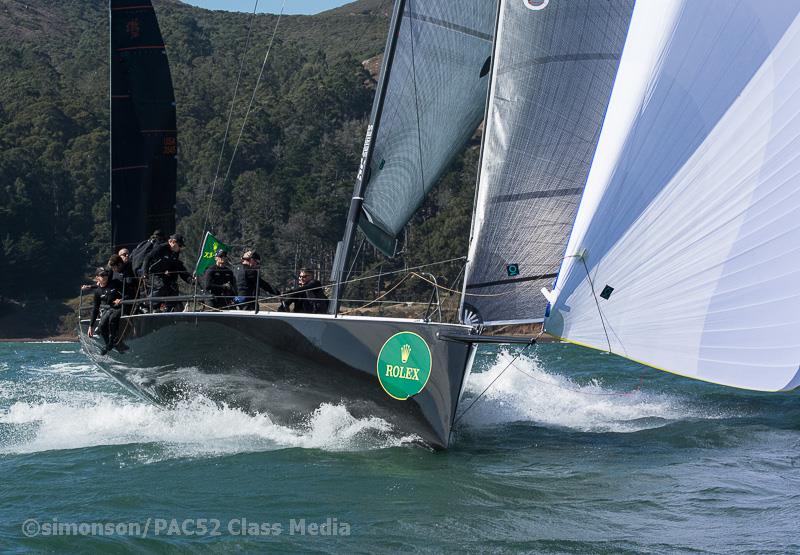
[(404, 365)]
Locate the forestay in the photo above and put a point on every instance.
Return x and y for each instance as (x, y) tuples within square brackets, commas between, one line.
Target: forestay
[(690, 225), (554, 67), (143, 134), (434, 101)]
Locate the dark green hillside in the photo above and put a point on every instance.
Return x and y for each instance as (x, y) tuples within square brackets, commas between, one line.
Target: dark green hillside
[(288, 189)]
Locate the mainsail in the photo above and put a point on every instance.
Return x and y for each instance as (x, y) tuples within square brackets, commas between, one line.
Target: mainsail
[(553, 69), (686, 250), (435, 92), (143, 129)]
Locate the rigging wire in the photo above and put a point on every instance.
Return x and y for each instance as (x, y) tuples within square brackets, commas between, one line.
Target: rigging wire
[(378, 299), (637, 389), (230, 114), (252, 100), (474, 401), (456, 291), (594, 294)]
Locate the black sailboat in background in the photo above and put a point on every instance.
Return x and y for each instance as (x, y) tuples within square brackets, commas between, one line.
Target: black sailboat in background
[(144, 143)]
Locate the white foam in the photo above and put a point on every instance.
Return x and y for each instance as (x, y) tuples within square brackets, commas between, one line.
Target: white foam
[(68, 368), (194, 428), (555, 400), (48, 342)]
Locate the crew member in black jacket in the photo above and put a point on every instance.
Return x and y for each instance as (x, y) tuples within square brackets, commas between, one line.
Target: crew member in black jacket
[(218, 280), (107, 299), (307, 297), (249, 280), (164, 267), (123, 272)]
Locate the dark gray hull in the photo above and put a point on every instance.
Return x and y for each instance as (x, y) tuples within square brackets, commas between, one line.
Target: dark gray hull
[(286, 365)]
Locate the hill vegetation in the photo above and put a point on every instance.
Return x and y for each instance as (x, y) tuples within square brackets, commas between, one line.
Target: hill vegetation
[(288, 190)]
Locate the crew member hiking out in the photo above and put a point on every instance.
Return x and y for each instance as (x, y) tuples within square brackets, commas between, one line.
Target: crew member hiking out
[(164, 267), (218, 280), (107, 299), (308, 296), (249, 281)]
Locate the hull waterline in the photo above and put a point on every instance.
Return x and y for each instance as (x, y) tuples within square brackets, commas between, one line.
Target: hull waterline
[(287, 365)]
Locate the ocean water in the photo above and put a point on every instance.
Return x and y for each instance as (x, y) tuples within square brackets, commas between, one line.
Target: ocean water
[(570, 451)]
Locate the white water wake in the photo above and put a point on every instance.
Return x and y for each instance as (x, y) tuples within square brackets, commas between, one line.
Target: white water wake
[(192, 429), (554, 400)]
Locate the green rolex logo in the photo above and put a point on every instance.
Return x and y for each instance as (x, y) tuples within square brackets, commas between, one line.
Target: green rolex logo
[(404, 365)]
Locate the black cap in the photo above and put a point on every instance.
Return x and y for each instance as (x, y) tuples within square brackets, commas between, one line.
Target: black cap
[(102, 272), (221, 253), (255, 255), (177, 238)]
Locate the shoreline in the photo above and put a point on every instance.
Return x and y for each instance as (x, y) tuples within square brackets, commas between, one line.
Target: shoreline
[(50, 339)]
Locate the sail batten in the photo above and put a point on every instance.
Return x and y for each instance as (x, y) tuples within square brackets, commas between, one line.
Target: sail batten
[(552, 77), (692, 211)]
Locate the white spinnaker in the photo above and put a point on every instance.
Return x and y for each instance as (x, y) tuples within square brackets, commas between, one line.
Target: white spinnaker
[(692, 206)]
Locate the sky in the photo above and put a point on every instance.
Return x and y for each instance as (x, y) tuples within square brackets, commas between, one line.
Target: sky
[(269, 6)]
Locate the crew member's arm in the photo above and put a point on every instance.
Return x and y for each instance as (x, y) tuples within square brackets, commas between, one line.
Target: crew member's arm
[(184, 274), (206, 279), (116, 295), (267, 286), (153, 257)]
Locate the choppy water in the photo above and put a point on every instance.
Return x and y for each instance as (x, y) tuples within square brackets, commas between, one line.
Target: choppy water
[(570, 451)]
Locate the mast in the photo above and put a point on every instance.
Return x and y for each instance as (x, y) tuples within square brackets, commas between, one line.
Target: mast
[(480, 156), (345, 245), (110, 117)]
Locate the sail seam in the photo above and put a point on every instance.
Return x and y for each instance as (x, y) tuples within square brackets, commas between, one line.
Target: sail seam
[(541, 60), (507, 281), (537, 194), (451, 26)]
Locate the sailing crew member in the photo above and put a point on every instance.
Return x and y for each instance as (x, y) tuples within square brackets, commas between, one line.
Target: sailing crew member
[(144, 248), (249, 280), (123, 272), (164, 267), (218, 280), (308, 296), (125, 255), (107, 305)]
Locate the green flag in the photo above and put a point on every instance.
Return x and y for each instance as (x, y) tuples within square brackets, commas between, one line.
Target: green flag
[(210, 246)]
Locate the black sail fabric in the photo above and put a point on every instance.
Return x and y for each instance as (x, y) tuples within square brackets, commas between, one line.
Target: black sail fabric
[(143, 129), (555, 65), (435, 99)]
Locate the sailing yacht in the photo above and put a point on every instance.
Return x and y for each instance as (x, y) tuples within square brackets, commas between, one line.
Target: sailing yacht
[(636, 194)]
